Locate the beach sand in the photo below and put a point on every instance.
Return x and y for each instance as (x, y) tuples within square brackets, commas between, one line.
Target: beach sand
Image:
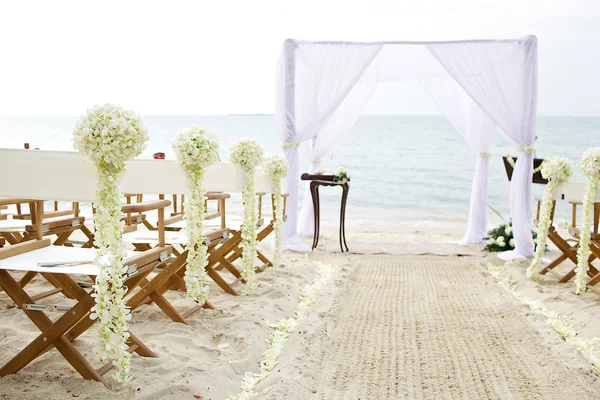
[(423, 320)]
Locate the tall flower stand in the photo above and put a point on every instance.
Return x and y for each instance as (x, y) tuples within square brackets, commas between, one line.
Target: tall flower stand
[(327, 180)]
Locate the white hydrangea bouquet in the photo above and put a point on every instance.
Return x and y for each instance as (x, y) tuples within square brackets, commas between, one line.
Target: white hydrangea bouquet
[(590, 167), (557, 171), (277, 168), (195, 150), (109, 136), (248, 154)]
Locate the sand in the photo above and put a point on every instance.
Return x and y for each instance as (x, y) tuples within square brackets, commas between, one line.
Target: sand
[(389, 326)]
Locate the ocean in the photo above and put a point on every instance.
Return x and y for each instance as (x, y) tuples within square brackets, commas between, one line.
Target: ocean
[(406, 171)]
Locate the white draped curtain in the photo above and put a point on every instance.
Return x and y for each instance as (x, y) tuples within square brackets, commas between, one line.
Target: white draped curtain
[(314, 80), (501, 77), (330, 136), (478, 129), (323, 86)]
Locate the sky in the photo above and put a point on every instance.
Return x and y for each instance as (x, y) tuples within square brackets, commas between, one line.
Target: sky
[(219, 57)]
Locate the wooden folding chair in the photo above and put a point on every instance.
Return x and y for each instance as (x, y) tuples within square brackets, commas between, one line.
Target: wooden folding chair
[(61, 224), (572, 192), (61, 333), (264, 231)]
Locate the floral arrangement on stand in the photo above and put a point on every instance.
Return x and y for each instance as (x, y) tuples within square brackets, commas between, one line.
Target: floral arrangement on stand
[(341, 176), (276, 167), (502, 239), (196, 150), (590, 167), (557, 171), (248, 154), (109, 136)]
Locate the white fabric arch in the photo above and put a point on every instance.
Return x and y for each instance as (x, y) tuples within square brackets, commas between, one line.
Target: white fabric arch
[(323, 86)]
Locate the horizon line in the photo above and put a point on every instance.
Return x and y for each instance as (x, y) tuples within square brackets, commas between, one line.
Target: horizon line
[(271, 114)]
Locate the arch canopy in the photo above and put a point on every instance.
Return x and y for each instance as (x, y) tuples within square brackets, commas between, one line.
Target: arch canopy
[(323, 86)]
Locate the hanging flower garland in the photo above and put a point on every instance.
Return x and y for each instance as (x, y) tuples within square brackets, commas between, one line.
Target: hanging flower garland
[(511, 162), (276, 167), (196, 150), (557, 171), (590, 166), (248, 154), (109, 136)]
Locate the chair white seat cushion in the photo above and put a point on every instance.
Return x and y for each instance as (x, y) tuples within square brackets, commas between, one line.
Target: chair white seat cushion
[(29, 261)]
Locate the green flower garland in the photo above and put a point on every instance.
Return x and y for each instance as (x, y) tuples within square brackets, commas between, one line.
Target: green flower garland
[(276, 167), (248, 154), (590, 166), (109, 136), (557, 171), (196, 150)]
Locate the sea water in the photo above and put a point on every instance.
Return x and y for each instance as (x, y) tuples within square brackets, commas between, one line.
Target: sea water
[(406, 171)]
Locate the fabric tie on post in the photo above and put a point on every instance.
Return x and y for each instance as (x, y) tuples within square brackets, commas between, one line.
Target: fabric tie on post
[(290, 145), (526, 149)]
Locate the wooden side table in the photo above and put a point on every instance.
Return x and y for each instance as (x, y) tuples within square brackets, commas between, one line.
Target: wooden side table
[(327, 180)]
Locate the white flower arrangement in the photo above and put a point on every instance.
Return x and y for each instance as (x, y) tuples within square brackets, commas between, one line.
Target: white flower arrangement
[(589, 348), (557, 171), (341, 176), (248, 154), (590, 166), (281, 332), (109, 136), (276, 167), (196, 150)]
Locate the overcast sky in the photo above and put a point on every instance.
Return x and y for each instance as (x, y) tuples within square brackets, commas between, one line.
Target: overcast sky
[(220, 57)]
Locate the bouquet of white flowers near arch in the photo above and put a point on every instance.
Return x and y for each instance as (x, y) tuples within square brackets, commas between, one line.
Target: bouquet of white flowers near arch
[(341, 176), (502, 239)]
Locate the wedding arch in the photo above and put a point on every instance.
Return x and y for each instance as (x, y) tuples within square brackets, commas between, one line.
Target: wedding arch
[(322, 88)]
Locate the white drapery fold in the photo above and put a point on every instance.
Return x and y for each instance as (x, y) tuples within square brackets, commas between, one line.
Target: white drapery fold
[(330, 135), (314, 81), (476, 84), (478, 130), (501, 77)]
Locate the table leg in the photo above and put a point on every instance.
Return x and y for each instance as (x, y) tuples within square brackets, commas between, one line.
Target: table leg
[(314, 195), (345, 189), (318, 225)]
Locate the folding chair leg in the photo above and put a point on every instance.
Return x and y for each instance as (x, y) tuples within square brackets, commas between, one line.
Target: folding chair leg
[(62, 238), (266, 262), (214, 275), (28, 277), (11, 238), (53, 334)]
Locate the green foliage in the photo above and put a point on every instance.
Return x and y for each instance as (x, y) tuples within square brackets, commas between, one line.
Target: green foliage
[(504, 231)]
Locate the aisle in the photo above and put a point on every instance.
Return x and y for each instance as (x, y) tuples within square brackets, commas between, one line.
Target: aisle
[(426, 327)]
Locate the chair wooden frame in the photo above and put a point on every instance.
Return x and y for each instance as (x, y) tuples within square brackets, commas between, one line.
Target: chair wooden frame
[(75, 321), (569, 250)]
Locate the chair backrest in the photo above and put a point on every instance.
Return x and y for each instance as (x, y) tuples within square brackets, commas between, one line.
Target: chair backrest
[(61, 175), (573, 191)]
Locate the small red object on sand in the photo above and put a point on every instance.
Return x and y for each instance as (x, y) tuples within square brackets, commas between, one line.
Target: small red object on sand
[(159, 156), (198, 396)]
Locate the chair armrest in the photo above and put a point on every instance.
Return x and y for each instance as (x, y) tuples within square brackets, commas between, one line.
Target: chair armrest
[(9, 201), (145, 206), (216, 196)]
